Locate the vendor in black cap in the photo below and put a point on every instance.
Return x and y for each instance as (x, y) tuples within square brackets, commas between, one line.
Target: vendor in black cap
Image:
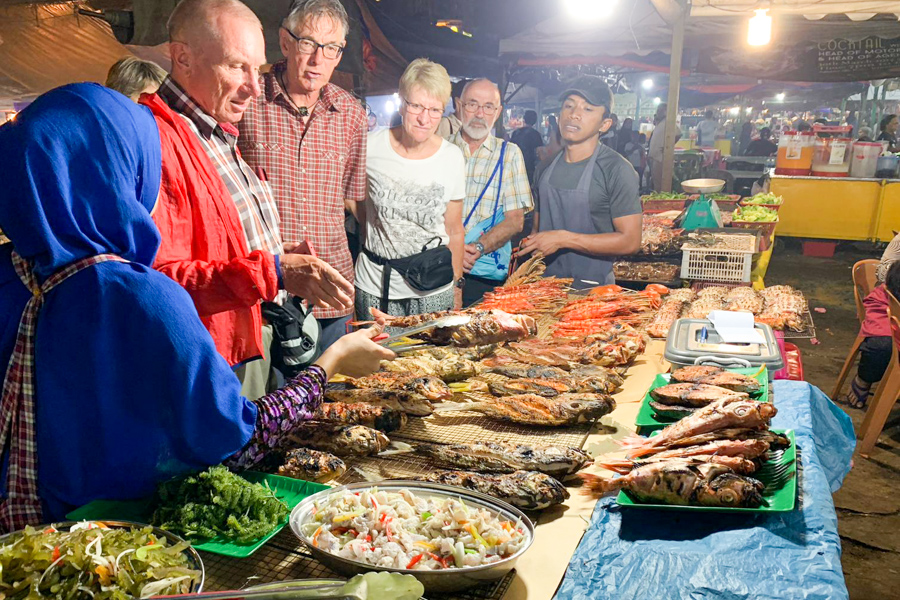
[(588, 208)]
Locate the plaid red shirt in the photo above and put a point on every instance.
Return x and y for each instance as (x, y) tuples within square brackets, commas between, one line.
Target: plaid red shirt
[(311, 169)]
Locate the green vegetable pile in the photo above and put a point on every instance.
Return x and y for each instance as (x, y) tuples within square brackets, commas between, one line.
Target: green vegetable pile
[(93, 562), (664, 196), (218, 504), (720, 196), (764, 199), (755, 214)]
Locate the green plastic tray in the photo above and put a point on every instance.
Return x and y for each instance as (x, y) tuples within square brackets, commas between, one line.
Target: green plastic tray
[(647, 420), (288, 490), (780, 496)]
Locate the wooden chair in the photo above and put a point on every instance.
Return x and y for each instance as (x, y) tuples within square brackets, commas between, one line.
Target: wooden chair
[(863, 283), (886, 395)]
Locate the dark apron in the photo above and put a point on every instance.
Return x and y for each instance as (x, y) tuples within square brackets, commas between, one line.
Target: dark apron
[(570, 210)]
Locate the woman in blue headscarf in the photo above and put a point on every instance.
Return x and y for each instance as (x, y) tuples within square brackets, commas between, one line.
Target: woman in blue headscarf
[(113, 384)]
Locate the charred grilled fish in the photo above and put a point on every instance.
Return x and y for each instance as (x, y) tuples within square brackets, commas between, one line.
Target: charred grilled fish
[(528, 490), (693, 395), (340, 440), (550, 387), (530, 409), (671, 412), (470, 353), (717, 376), (528, 371), (484, 327), (412, 404), (776, 441), (377, 417), (683, 482), (448, 369), (507, 457), (723, 414), (735, 463), (427, 386), (312, 465)]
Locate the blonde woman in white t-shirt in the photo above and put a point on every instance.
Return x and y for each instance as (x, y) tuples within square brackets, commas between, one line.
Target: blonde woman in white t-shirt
[(416, 186)]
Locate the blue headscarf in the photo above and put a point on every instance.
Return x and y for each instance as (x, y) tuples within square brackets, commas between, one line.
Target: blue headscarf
[(130, 389)]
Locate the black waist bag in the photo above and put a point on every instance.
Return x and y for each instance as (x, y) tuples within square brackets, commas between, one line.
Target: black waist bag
[(295, 335), (428, 270)]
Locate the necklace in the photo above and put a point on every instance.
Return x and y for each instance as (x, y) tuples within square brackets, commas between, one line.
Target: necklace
[(303, 110)]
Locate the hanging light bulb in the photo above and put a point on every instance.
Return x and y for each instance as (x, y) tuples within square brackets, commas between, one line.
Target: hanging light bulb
[(760, 31)]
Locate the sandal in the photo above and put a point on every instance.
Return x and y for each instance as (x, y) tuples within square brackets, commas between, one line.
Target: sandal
[(858, 396)]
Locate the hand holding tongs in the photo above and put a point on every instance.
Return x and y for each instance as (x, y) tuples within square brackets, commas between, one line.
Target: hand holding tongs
[(391, 341)]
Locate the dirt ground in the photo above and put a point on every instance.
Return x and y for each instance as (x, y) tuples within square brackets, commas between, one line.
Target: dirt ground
[(868, 505)]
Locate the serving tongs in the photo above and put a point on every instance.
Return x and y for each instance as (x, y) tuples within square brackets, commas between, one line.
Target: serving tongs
[(322, 591), (398, 342)]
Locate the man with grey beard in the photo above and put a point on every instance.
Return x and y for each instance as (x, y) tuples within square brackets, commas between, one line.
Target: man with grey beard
[(498, 193)]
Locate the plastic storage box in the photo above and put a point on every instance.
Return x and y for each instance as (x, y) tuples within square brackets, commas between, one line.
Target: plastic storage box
[(684, 348), (729, 261)]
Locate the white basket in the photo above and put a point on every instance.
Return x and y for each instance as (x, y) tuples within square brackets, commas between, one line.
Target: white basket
[(709, 264)]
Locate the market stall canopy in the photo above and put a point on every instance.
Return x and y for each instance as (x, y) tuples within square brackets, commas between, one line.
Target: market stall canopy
[(831, 47), (43, 46)]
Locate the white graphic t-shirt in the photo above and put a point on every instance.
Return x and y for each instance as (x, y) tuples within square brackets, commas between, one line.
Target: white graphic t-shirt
[(405, 207)]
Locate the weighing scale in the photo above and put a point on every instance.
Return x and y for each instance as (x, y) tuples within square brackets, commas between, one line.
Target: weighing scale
[(703, 213)]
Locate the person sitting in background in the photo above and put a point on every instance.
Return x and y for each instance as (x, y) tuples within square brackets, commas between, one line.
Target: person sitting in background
[(764, 146), (146, 396), (132, 77), (877, 347), (528, 140), (888, 127), (451, 123), (865, 134), (745, 136)]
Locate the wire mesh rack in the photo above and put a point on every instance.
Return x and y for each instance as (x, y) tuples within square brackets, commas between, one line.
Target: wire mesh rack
[(284, 558)]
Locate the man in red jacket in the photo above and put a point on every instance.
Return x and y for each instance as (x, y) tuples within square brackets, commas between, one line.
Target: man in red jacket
[(219, 225)]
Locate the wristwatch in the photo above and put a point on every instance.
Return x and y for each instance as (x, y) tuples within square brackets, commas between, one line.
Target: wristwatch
[(460, 283), (480, 247)]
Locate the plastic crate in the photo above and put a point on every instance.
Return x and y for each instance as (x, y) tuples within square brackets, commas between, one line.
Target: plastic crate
[(766, 231), (728, 262)]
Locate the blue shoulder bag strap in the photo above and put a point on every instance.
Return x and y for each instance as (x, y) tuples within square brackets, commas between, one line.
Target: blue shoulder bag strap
[(497, 167)]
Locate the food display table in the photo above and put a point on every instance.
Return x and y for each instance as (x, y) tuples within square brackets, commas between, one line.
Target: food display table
[(610, 556), (838, 208), (687, 555)]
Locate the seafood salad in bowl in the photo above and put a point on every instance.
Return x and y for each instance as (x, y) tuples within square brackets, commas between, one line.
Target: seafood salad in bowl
[(448, 538)]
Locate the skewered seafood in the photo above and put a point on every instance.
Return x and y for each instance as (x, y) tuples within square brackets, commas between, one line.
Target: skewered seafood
[(693, 394), (340, 440), (411, 404), (722, 414), (377, 417), (683, 482), (718, 377), (507, 457), (530, 409), (312, 465), (427, 386), (528, 490), (448, 369), (534, 297), (668, 313)]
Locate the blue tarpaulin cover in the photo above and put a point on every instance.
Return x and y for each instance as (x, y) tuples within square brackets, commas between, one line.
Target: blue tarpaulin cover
[(644, 554)]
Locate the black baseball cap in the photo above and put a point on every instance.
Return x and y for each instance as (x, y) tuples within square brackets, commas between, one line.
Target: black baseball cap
[(591, 88)]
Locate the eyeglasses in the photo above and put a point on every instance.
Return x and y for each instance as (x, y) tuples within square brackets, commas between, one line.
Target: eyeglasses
[(472, 106), (308, 46), (416, 109)]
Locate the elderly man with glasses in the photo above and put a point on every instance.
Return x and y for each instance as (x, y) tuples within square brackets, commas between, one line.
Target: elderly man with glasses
[(498, 193), (309, 137)]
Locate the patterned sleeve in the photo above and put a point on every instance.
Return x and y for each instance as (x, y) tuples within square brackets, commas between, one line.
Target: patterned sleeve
[(516, 188), (278, 414), (355, 170)]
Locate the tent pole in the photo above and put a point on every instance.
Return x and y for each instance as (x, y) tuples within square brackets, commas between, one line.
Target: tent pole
[(637, 107), (674, 88), (863, 118)]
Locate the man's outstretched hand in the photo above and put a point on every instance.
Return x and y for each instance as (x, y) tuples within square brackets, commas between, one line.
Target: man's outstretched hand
[(315, 281)]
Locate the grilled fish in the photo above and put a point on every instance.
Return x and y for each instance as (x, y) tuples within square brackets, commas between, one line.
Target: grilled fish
[(717, 376), (528, 490), (340, 440), (312, 465), (527, 371), (693, 395), (735, 463), (776, 441), (683, 482), (411, 404), (722, 414), (507, 457), (469, 353), (672, 412), (448, 370), (377, 417), (484, 327), (748, 449), (551, 387), (530, 409), (427, 386)]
